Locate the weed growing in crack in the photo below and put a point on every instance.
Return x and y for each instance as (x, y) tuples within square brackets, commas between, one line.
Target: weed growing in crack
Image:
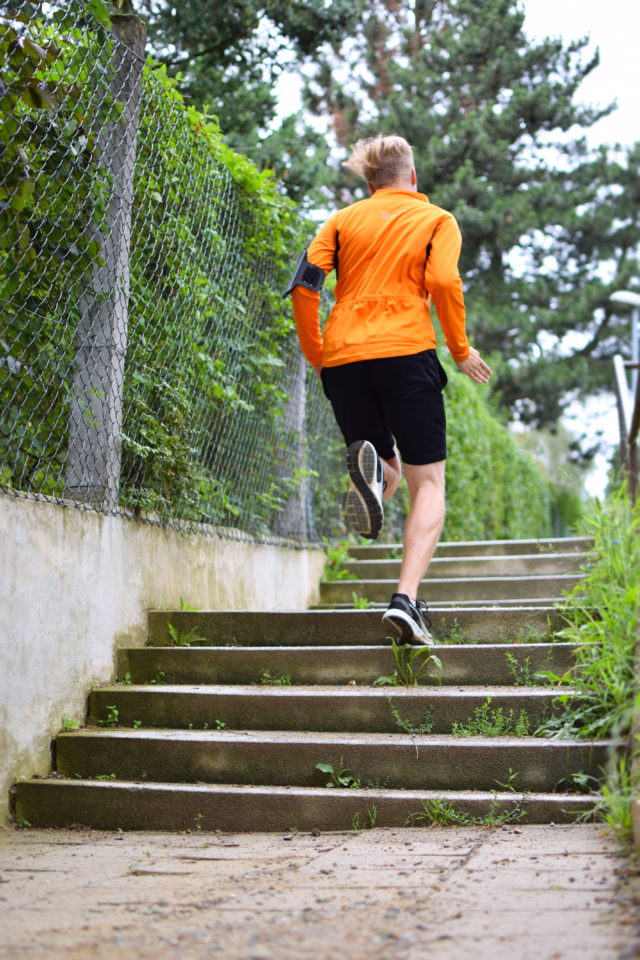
[(488, 721), (187, 606), (510, 783), (413, 664), (69, 724), (272, 680), (442, 813), (407, 726), (180, 638), (437, 812), (529, 633), (340, 776), (112, 718), (359, 825), (577, 783), (522, 673), (378, 783), (452, 633), (360, 603)]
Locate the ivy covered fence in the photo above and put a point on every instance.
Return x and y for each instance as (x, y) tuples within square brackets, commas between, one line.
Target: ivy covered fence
[(148, 364)]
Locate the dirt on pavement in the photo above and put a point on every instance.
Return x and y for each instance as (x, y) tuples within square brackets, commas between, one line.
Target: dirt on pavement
[(505, 893)]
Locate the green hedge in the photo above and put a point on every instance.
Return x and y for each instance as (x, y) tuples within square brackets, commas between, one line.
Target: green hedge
[(494, 488)]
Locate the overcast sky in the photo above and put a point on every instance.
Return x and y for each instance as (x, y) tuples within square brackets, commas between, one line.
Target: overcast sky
[(614, 27)]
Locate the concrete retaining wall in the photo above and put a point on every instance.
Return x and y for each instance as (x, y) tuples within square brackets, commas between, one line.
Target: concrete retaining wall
[(76, 585)]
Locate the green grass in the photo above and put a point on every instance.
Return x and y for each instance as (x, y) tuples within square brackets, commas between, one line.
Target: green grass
[(442, 813), (601, 616)]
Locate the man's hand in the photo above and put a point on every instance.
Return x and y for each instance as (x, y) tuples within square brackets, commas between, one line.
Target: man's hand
[(475, 367), (318, 371)]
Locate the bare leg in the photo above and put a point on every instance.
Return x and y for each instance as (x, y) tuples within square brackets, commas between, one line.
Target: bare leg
[(392, 470), (426, 483)]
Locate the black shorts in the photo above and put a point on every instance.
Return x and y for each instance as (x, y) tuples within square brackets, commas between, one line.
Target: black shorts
[(392, 398)]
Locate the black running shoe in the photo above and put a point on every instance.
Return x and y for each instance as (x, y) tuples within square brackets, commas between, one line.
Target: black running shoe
[(408, 620), (363, 506)]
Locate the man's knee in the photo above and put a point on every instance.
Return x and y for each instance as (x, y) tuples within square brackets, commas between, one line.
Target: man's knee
[(430, 476)]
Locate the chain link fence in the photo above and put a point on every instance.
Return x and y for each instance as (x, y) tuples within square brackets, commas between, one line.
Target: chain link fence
[(148, 365)]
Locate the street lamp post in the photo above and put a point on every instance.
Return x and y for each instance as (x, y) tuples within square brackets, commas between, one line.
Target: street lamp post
[(631, 299), (629, 399)]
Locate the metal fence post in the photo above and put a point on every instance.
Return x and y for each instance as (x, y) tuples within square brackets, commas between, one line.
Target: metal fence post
[(95, 420), (293, 516)]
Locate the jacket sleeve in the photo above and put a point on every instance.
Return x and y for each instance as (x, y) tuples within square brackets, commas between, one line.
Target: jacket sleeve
[(444, 285), (306, 303)]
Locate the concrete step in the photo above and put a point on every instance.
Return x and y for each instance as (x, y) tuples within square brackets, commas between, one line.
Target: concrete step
[(334, 628), (356, 709), (547, 603), (454, 588), (480, 548), (474, 663), (165, 806), (524, 565), (394, 761)]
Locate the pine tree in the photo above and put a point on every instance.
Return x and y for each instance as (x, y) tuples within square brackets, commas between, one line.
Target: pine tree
[(549, 227), (230, 54)]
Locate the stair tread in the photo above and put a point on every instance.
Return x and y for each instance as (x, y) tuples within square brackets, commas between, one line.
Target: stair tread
[(473, 558), (445, 544), (327, 792), (483, 648), (443, 581), (336, 738), (320, 690)]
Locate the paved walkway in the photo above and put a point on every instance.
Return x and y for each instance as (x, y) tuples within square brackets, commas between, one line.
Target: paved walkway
[(444, 894)]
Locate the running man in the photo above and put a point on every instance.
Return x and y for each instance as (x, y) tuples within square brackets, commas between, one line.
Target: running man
[(394, 254)]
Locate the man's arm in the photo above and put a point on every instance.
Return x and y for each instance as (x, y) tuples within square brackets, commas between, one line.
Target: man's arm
[(445, 286), (306, 303)]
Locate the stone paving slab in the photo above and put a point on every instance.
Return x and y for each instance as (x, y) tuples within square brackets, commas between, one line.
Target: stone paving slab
[(506, 893)]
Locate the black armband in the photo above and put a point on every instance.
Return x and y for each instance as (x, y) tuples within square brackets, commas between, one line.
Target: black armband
[(306, 275)]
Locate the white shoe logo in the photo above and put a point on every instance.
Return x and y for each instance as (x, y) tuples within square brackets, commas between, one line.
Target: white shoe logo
[(386, 214)]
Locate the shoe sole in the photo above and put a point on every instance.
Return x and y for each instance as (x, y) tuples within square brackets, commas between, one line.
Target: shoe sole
[(406, 629), (362, 508)]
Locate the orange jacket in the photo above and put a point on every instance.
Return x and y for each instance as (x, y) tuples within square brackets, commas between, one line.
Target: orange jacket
[(394, 253)]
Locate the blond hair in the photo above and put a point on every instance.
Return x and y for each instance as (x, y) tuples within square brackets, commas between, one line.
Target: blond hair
[(381, 160)]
